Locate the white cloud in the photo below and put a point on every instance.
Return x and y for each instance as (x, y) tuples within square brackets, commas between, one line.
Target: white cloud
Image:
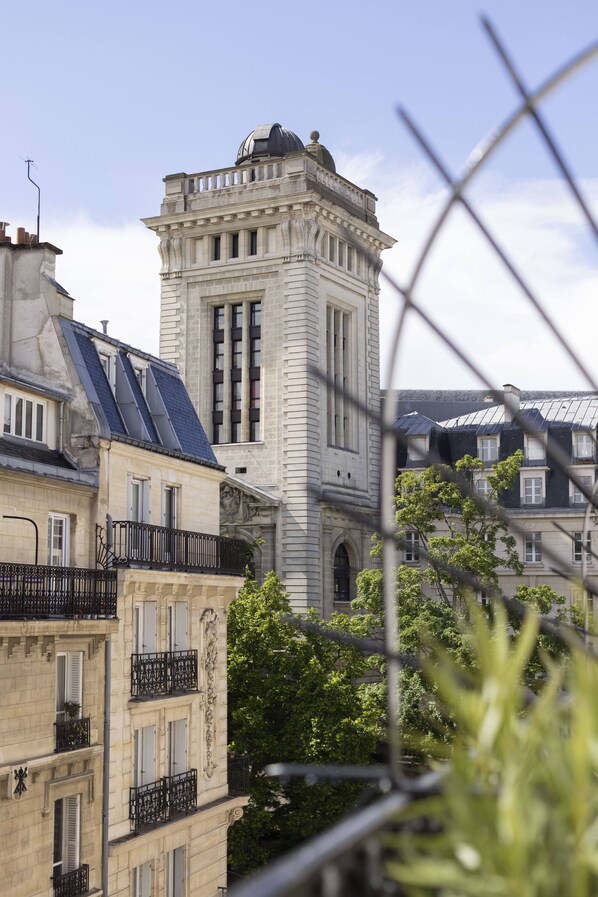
[(467, 291), (112, 272)]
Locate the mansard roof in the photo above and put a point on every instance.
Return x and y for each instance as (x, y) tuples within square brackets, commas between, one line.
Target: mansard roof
[(160, 417), (580, 412)]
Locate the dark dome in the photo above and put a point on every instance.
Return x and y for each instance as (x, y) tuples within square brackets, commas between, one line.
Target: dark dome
[(268, 140), (318, 150)]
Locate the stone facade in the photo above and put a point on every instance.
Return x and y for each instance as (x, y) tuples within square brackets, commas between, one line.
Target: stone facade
[(285, 234), (71, 600)]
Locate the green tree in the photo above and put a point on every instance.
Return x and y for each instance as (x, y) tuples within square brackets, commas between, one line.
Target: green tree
[(463, 539), (293, 697)]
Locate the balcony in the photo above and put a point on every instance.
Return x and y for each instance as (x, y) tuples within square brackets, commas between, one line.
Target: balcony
[(161, 548), (238, 774), (160, 801), (34, 591), (71, 884), (163, 673), (72, 734)]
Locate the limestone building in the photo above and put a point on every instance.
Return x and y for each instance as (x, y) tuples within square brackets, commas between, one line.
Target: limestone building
[(270, 276), (114, 588)]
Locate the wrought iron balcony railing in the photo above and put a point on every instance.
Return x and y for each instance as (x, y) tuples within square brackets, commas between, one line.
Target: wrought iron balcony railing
[(33, 591), (72, 734), (72, 884), (165, 799), (238, 774), (161, 548), (163, 673)]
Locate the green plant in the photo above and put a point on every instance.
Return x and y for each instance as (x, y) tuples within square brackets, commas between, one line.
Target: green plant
[(71, 708), (518, 812)]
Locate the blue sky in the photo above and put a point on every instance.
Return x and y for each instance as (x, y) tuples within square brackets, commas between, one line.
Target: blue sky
[(108, 98)]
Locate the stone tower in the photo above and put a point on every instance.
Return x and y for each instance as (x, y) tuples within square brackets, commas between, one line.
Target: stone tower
[(269, 275)]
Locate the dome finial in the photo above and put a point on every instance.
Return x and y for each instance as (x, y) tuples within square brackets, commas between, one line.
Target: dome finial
[(314, 136)]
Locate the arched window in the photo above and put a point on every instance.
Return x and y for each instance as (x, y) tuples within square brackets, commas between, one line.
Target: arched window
[(342, 574)]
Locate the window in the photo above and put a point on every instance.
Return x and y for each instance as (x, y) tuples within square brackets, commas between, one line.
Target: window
[(177, 747), (577, 496), (235, 431), (411, 548), (175, 873), (254, 394), (24, 417), (67, 823), (254, 431), (108, 362), (218, 403), (170, 506), (141, 881), (349, 258), (252, 248), (256, 352), (69, 685), (144, 746), (534, 449), (216, 249), (482, 598), (417, 448), (533, 548), (58, 540), (237, 357), (237, 317), (178, 633), (532, 491), (483, 489), (236, 395), (331, 248), (219, 356), (234, 246), (583, 444), (255, 314), (342, 574), (339, 369), (578, 550), (140, 376), (139, 500), (219, 318), (146, 627), (218, 433), (488, 448)]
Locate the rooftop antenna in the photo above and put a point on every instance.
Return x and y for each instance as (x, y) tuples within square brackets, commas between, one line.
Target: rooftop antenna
[(30, 162)]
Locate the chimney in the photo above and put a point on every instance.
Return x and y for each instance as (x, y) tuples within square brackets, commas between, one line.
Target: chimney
[(104, 326), (4, 238), (511, 400)]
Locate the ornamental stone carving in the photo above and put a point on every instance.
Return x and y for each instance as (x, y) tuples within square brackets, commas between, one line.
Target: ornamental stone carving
[(236, 506), (209, 625)]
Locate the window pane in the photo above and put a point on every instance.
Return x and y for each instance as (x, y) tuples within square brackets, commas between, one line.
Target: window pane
[(7, 413), (218, 356), (18, 417), (254, 431), (237, 318), (39, 424), (28, 419), (237, 354), (256, 352), (219, 318), (256, 314), (254, 394)]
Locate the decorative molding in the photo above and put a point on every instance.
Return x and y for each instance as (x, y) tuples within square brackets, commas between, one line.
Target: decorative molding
[(209, 622), (20, 775), (234, 815)]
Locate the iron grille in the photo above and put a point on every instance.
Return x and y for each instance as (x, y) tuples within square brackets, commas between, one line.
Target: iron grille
[(163, 673), (182, 792), (160, 801), (159, 547), (71, 884), (34, 591), (72, 734), (238, 774)]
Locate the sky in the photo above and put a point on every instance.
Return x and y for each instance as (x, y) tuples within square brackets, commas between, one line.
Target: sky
[(109, 98)]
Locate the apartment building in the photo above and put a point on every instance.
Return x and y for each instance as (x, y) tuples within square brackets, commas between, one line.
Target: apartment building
[(114, 588)]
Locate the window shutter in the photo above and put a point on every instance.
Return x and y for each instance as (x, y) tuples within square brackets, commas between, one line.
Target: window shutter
[(71, 833), (145, 880), (148, 755), (150, 623), (178, 747), (178, 621), (60, 682), (74, 687)]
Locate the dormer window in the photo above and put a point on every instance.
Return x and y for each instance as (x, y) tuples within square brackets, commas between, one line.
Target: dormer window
[(488, 448), (108, 362), (535, 449), (140, 374), (583, 446), (24, 417), (417, 449)]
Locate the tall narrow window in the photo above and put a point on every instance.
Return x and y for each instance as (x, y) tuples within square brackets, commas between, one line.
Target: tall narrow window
[(139, 500), (342, 574), (146, 627), (58, 540), (532, 491), (178, 631), (141, 880), (338, 357), (177, 747), (69, 685), (533, 548), (144, 746), (583, 446), (252, 248), (170, 506), (411, 548), (234, 246), (578, 547), (216, 249), (577, 496), (175, 873), (67, 824)]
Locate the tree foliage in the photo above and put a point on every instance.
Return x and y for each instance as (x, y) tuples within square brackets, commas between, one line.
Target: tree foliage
[(292, 697)]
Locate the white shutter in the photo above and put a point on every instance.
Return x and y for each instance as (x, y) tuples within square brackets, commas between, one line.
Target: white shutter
[(71, 833), (150, 625), (176, 873), (74, 684), (148, 755), (60, 683), (177, 621), (142, 880), (177, 752)]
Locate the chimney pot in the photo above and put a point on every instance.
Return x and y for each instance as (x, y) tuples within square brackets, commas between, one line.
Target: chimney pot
[(20, 236), (512, 401), (104, 326)]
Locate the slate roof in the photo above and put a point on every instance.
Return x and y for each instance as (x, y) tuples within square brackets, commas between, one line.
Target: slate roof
[(180, 431), (415, 424), (575, 411), (38, 454)]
